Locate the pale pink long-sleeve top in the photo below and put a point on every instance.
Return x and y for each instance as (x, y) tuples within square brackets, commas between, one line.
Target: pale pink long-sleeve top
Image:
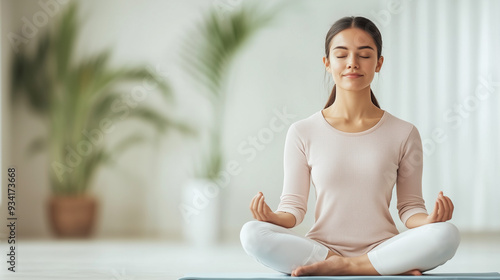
[(353, 175)]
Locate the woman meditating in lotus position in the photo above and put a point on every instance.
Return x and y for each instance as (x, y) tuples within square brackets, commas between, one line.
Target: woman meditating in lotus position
[(354, 153)]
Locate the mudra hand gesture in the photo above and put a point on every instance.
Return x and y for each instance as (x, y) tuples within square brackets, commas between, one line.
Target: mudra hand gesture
[(443, 209), (262, 212)]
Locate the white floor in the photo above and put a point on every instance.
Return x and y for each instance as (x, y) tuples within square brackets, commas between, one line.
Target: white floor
[(147, 259)]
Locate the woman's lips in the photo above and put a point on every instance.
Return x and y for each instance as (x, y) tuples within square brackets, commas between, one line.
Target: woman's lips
[(352, 76)]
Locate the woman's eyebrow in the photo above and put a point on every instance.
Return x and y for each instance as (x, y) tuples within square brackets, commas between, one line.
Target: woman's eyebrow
[(359, 48)]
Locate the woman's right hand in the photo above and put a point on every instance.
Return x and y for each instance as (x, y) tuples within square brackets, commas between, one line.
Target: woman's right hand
[(260, 210)]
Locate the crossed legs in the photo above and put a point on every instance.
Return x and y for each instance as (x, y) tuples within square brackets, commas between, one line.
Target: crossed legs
[(414, 250)]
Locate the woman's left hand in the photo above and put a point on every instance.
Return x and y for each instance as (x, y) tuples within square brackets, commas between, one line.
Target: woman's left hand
[(443, 210)]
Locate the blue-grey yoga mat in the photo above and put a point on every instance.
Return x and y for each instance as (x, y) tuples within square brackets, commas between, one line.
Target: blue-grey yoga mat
[(274, 276)]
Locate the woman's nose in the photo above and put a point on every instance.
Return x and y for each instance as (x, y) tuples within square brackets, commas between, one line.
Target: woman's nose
[(352, 63)]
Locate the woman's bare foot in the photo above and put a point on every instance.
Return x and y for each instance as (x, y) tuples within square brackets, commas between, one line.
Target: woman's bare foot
[(333, 265), (337, 265), (414, 272)]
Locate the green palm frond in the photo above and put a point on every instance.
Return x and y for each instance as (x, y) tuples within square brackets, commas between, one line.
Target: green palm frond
[(152, 117), (125, 144), (64, 41), (30, 78)]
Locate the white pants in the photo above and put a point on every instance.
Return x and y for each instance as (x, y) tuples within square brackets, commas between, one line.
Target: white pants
[(422, 248)]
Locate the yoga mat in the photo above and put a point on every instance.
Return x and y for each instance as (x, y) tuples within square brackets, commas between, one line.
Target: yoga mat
[(274, 276)]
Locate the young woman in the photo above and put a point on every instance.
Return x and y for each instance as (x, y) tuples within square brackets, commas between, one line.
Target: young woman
[(354, 153)]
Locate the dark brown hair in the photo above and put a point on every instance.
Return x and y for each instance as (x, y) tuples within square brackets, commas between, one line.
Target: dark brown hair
[(353, 22)]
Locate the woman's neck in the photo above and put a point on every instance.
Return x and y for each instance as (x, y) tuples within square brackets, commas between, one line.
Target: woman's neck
[(353, 105)]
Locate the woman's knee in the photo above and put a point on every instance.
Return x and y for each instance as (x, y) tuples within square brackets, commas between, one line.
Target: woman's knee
[(446, 236), (447, 233), (252, 236)]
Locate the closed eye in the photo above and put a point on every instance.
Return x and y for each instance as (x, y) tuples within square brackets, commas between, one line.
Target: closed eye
[(360, 56)]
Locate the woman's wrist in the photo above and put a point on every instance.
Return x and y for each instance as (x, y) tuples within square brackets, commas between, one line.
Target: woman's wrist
[(417, 220), (283, 219)]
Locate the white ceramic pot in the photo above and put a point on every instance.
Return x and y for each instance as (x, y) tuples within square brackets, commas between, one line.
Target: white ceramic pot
[(201, 213)]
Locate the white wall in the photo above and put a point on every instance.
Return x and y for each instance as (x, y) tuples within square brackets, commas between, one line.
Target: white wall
[(279, 68)]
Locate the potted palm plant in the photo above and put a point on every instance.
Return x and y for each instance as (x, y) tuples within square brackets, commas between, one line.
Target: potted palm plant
[(206, 60), (81, 100)]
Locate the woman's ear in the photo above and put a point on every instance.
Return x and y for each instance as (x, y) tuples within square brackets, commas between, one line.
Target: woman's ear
[(327, 64), (379, 64)]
